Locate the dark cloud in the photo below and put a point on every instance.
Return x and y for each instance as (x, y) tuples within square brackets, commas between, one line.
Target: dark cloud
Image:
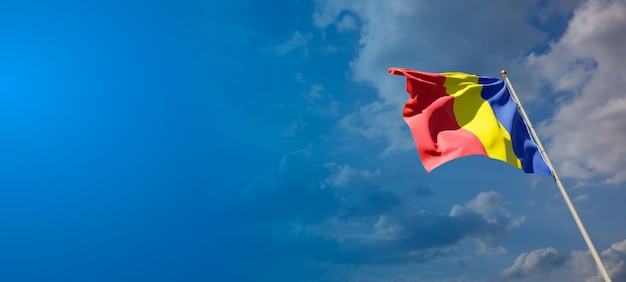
[(407, 234), (313, 217), (379, 202)]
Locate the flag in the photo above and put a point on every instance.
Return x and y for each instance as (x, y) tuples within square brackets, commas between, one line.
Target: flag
[(453, 115)]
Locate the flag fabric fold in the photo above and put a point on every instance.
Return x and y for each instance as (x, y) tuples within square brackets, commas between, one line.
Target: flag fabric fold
[(453, 115)]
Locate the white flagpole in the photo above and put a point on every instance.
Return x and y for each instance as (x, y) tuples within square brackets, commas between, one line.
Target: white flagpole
[(543, 153)]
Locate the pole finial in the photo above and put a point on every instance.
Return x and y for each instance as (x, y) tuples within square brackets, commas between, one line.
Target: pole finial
[(503, 72)]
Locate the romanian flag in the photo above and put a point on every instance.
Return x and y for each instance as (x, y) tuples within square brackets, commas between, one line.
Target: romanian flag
[(453, 115)]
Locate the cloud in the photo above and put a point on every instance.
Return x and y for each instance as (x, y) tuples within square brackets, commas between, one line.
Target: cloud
[(485, 202), (289, 193), (490, 207), (290, 130), (318, 218), (319, 102), (344, 176), (401, 34), (614, 259), (300, 78), (534, 263), (405, 234), (298, 40), (548, 12), (378, 121), (315, 93), (587, 60), (347, 23), (581, 198), (587, 64)]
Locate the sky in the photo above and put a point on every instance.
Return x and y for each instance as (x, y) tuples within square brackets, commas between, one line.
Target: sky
[(264, 141)]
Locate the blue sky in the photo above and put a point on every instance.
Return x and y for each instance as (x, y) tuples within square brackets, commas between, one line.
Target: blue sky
[(263, 141)]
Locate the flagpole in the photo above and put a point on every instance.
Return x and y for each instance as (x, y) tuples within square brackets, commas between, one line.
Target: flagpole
[(543, 153)]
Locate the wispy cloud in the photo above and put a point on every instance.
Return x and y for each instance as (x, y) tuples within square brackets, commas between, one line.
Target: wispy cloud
[(315, 93), (581, 198), (344, 175), (319, 101), (347, 23), (298, 40)]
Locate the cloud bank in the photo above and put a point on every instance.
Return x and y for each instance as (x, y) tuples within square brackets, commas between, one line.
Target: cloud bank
[(588, 61), (584, 64), (339, 215)]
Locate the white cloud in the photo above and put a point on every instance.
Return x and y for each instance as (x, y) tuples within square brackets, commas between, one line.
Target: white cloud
[(588, 62), (534, 263), (614, 259), (487, 204), (298, 40), (401, 34), (486, 201)]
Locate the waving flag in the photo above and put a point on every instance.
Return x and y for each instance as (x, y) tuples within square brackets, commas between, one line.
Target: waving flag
[(453, 115)]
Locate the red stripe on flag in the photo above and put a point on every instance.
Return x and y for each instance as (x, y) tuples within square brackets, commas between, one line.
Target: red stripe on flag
[(429, 114)]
